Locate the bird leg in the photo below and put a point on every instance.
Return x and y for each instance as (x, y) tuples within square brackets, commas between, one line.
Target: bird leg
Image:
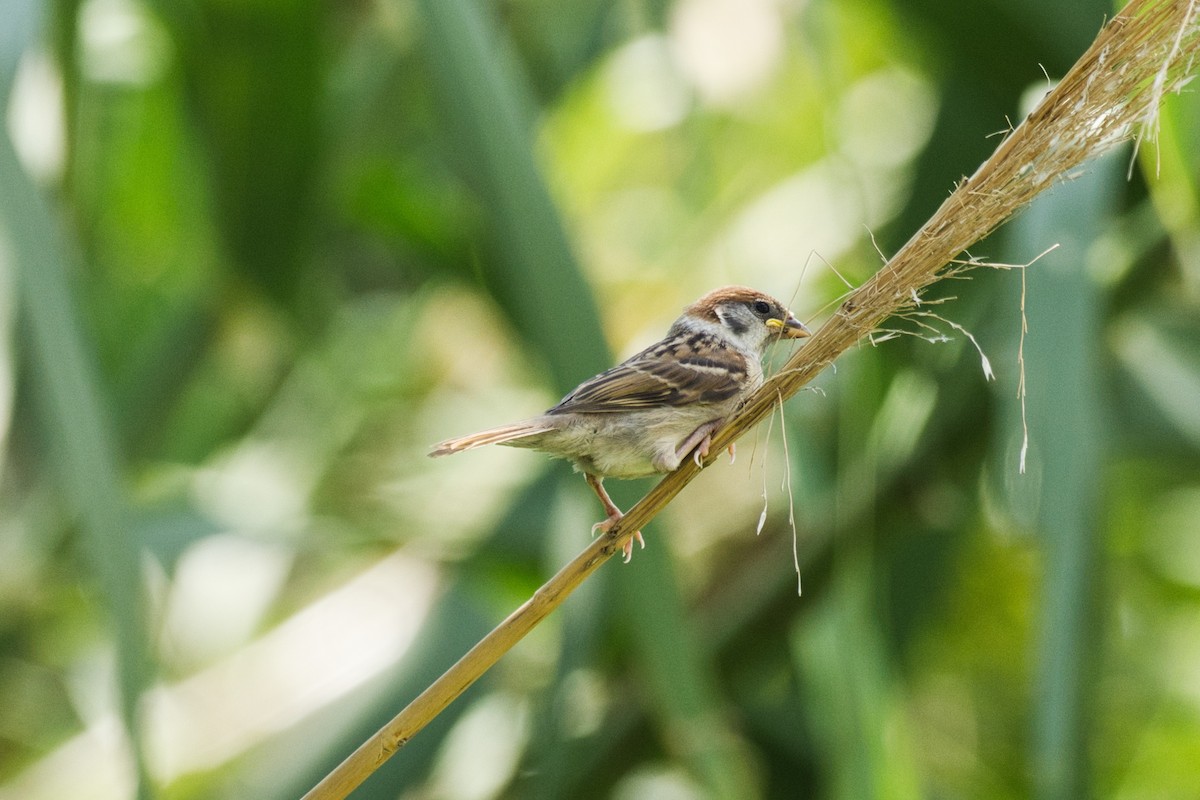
[(614, 514)]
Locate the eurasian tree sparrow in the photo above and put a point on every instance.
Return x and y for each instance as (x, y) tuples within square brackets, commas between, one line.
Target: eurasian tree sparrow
[(646, 414)]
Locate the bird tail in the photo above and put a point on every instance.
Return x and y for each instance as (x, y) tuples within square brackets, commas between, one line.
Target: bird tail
[(502, 435)]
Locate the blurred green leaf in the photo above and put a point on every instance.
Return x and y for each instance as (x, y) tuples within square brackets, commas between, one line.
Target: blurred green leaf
[(865, 748), (490, 113), (680, 678), (1158, 359), (1063, 306), (71, 406), (253, 72)]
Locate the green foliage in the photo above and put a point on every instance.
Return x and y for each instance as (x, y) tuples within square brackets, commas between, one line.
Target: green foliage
[(256, 256)]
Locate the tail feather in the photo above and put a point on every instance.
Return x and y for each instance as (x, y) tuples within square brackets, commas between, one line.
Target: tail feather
[(500, 435)]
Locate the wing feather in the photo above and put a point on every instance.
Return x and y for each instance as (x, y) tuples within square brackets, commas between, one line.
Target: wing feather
[(695, 369)]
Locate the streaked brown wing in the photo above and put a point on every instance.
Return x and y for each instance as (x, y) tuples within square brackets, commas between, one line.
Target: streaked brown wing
[(698, 369)]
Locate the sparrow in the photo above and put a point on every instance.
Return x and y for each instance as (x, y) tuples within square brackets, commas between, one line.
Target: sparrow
[(645, 415)]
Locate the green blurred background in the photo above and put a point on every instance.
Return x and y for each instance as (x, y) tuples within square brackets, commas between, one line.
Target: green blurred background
[(256, 256)]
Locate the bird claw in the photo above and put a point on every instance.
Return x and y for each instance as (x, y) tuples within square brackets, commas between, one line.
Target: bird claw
[(627, 548), (701, 451)]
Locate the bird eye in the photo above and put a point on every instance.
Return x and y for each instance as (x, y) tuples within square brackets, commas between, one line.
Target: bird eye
[(762, 307)]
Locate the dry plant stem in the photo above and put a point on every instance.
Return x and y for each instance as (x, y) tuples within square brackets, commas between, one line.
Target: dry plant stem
[(1146, 51)]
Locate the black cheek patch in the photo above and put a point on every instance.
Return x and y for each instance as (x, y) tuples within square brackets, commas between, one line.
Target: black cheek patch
[(736, 325), (732, 322)]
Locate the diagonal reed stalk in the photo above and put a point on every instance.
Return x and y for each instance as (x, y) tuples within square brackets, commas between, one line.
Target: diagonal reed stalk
[(1109, 96)]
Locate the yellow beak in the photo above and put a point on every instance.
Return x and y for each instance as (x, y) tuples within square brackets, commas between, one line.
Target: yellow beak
[(792, 328)]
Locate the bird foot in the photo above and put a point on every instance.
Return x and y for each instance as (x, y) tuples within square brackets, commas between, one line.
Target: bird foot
[(614, 514), (699, 442), (627, 548)]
